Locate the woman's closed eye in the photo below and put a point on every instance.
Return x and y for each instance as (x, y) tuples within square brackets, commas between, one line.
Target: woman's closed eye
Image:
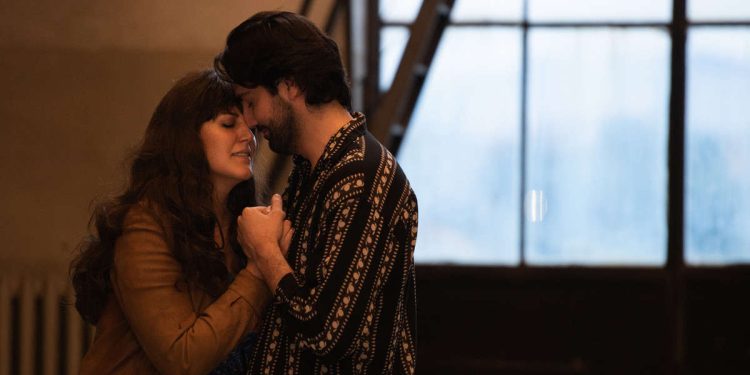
[(227, 120)]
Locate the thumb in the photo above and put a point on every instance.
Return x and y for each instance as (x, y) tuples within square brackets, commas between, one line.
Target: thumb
[(276, 203)]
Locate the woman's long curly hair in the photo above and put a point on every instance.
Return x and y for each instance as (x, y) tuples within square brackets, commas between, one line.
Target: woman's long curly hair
[(169, 175)]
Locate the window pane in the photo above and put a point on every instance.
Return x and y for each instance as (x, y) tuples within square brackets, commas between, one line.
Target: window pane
[(392, 44), (487, 10), (600, 10), (719, 10), (718, 146), (399, 10), (597, 138), (461, 150)]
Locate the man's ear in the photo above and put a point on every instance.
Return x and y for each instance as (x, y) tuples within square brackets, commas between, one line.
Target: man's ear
[(289, 90)]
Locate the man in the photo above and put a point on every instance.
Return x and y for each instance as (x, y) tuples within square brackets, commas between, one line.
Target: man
[(344, 300)]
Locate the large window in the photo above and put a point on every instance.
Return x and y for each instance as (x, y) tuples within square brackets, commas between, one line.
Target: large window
[(541, 133)]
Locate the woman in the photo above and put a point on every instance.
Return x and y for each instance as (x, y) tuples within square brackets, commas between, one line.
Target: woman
[(164, 279)]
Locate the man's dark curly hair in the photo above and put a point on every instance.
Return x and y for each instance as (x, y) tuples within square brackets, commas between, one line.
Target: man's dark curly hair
[(270, 47)]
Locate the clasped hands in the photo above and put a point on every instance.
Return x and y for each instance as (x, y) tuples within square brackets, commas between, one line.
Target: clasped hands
[(265, 236)]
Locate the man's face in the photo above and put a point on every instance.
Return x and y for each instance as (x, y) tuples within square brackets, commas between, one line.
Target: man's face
[(270, 116)]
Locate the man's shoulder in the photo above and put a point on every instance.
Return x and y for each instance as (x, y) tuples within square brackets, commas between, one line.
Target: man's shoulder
[(361, 169), (364, 154)]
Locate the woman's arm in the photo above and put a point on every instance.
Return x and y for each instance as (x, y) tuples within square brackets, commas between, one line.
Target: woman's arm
[(147, 281)]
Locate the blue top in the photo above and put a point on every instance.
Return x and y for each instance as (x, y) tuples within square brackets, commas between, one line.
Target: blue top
[(239, 358)]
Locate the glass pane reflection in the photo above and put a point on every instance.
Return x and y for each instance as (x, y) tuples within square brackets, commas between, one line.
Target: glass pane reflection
[(597, 138), (600, 10), (716, 10), (461, 150), (399, 10), (392, 44), (487, 10), (717, 212)]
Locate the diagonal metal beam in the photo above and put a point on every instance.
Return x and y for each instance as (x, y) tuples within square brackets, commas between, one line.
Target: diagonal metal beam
[(305, 7), (397, 105), (332, 16)]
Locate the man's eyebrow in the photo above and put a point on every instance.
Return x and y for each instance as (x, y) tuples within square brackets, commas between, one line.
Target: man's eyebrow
[(241, 94)]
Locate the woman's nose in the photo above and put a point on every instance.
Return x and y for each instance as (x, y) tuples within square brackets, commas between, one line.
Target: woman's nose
[(245, 134)]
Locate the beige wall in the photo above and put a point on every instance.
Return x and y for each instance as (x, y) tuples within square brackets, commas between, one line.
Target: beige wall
[(80, 79)]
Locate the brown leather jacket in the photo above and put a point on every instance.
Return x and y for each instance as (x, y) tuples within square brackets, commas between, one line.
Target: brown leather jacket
[(155, 324)]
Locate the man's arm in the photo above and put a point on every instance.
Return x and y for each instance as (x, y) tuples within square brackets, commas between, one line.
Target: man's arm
[(362, 255), (329, 301)]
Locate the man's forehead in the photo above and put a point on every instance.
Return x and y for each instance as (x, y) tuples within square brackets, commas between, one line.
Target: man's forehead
[(241, 91)]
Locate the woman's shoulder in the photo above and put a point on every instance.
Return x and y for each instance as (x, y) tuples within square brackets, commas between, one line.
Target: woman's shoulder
[(142, 233), (143, 215)]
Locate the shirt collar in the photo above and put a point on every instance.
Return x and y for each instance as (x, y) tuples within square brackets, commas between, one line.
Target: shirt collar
[(353, 129)]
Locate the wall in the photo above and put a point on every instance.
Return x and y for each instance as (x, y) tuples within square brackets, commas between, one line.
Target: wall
[(80, 79)]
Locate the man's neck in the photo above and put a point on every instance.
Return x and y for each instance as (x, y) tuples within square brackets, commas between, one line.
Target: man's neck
[(317, 126)]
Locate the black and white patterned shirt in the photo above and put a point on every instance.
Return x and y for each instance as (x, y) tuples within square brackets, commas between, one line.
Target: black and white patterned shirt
[(350, 305)]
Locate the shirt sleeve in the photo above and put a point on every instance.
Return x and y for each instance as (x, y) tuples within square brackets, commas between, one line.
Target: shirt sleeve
[(148, 283), (328, 301)]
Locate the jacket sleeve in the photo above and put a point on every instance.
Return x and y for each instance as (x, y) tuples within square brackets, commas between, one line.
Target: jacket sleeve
[(330, 301), (147, 281)]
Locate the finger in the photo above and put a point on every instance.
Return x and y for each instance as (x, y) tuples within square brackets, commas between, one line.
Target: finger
[(289, 235), (287, 226), (250, 211), (276, 204), (286, 241)]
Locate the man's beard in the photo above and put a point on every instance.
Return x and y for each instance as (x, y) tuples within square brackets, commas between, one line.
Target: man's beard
[(283, 129)]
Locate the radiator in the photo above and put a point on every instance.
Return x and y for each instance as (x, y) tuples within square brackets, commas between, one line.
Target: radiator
[(40, 329)]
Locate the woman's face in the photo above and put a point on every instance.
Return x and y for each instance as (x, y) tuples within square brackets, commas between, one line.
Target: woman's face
[(230, 147)]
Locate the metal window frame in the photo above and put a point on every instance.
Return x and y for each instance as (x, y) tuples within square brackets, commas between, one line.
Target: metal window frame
[(678, 28), (675, 270)]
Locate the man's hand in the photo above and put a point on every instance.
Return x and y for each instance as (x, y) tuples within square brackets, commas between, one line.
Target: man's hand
[(263, 233), (261, 227), (286, 240), (252, 267)]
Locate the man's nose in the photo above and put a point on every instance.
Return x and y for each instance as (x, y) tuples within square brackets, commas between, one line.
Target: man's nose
[(247, 115)]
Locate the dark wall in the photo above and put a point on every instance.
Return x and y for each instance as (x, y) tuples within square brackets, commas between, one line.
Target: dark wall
[(582, 321)]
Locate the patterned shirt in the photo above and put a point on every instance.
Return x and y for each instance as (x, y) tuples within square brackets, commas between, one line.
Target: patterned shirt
[(349, 307)]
